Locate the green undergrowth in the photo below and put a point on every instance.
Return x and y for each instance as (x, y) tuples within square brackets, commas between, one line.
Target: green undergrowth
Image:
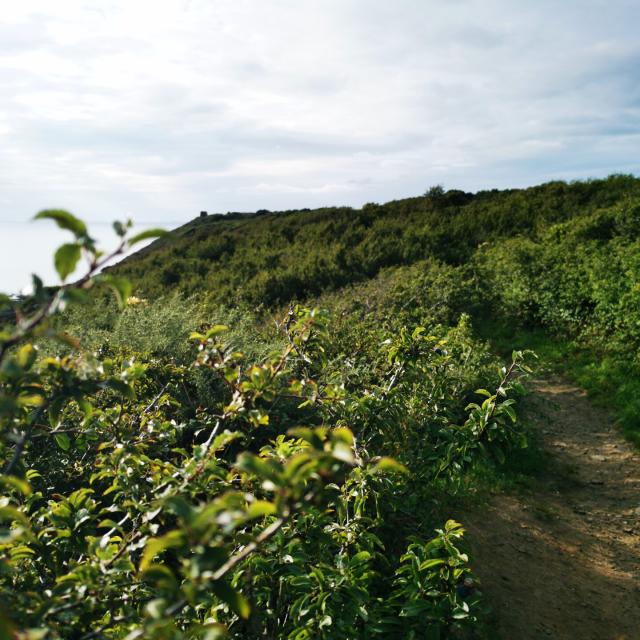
[(611, 382), (271, 258), (178, 469), (518, 474), (160, 326)]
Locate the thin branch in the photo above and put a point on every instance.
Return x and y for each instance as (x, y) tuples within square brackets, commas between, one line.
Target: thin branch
[(21, 332), (97, 632), (155, 401), (121, 551), (55, 299), (247, 550), (267, 533)]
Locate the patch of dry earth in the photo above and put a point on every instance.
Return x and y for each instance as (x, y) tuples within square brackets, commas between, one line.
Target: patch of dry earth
[(563, 562)]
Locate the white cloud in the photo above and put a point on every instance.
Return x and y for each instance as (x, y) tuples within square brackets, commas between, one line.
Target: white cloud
[(165, 108)]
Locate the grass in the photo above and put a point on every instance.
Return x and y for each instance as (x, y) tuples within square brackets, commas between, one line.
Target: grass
[(610, 381)]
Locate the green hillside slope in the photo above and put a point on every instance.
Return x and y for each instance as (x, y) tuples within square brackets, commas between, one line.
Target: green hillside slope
[(216, 461), (561, 257), (268, 258)]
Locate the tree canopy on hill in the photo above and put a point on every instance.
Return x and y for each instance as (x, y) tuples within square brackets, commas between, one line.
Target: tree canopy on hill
[(271, 258)]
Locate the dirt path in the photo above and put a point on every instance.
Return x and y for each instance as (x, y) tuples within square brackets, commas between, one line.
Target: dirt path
[(564, 561)]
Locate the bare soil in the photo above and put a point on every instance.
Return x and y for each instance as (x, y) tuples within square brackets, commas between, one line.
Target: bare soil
[(562, 560)]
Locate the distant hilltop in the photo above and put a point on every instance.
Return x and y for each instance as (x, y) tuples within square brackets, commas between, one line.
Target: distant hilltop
[(270, 257)]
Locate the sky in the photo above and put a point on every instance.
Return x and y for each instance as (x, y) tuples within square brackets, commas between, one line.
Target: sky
[(158, 110)]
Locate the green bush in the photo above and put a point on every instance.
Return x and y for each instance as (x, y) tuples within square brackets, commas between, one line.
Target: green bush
[(148, 494)]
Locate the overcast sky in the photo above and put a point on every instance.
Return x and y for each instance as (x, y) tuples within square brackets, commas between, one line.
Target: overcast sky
[(158, 109)]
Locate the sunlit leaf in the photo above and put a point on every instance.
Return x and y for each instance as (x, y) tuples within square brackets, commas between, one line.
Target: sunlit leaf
[(155, 546), (64, 220), (146, 235), (66, 258), (63, 441), (388, 465)]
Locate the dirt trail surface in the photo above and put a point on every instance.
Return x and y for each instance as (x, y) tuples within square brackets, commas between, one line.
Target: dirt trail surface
[(563, 560)]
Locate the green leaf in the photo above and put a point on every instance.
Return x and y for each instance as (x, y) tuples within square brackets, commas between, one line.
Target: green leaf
[(432, 562), (453, 525), (315, 437), (258, 509), (161, 575), (213, 631), (362, 557), (155, 546), (32, 400), (342, 434), (120, 228), (234, 599), (215, 330), (66, 258), (145, 235), (26, 356), (32, 474), (385, 465), (37, 285), (64, 220), (62, 440), (180, 507), (508, 409), (261, 468), (7, 630), (326, 621), (343, 452), (16, 483), (11, 513), (120, 286), (21, 552)]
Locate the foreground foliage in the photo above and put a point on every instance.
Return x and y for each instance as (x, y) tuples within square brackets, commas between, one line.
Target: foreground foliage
[(290, 490)]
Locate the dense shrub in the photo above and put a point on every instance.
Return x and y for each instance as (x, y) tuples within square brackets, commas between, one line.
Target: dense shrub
[(578, 278), (273, 258), (154, 491)]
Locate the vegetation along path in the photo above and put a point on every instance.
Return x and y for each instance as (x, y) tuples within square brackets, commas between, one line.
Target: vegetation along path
[(563, 560)]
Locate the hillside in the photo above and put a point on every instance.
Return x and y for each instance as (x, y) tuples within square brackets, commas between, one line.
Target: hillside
[(269, 258), (277, 435), (562, 257)]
